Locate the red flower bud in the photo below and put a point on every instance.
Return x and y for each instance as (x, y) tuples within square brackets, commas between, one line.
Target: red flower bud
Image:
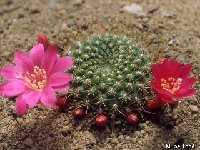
[(43, 40), (101, 120), (79, 113), (132, 119)]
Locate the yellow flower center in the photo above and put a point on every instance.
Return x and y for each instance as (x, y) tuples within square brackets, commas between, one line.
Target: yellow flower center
[(37, 80), (170, 84)]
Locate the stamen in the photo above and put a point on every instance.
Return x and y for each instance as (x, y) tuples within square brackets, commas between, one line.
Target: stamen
[(37, 80), (171, 84)]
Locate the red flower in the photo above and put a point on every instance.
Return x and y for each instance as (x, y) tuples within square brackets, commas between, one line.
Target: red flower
[(171, 81)]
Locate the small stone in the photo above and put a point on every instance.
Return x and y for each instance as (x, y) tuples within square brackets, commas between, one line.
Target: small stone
[(35, 10), (153, 9), (135, 9), (168, 14), (66, 128), (19, 120), (170, 42), (142, 131), (84, 27), (1, 31), (127, 138), (66, 131), (181, 58), (194, 108), (121, 137), (114, 141), (28, 142), (77, 147), (9, 2), (78, 2), (20, 15), (71, 22)]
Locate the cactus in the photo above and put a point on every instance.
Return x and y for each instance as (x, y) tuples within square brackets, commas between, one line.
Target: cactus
[(110, 73)]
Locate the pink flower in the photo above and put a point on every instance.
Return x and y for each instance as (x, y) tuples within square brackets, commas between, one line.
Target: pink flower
[(36, 77), (171, 81)]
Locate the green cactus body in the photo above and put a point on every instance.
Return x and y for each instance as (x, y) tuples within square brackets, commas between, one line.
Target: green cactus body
[(109, 71)]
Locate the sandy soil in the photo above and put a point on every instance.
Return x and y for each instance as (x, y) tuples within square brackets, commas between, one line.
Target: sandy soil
[(164, 29)]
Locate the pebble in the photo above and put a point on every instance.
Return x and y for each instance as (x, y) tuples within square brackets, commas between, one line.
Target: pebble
[(19, 120), (1, 30), (20, 15), (170, 42), (135, 9), (78, 2), (121, 137), (114, 141), (77, 147), (66, 128), (181, 58), (28, 142), (153, 9), (127, 138), (194, 108), (142, 131), (35, 10)]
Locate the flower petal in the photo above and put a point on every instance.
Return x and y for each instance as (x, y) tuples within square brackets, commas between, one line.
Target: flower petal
[(9, 72), (21, 106), (48, 97), (62, 64), (33, 98), (185, 70), (186, 83), (170, 68), (166, 99), (161, 91), (185, 93), (62, 88), (50, 57), (23, 62), (58, 79), (37, 53), (157, 72), (12, 88)]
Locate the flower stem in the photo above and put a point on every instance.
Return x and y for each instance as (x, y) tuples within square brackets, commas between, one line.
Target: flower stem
[(155, 103)]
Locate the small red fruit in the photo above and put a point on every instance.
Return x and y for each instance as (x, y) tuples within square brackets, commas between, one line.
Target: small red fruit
[(101, 120), (79, 113), (132, 119), (61, 102)]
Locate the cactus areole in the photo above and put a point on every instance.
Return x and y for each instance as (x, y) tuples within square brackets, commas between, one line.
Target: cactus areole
[(109, 72)]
